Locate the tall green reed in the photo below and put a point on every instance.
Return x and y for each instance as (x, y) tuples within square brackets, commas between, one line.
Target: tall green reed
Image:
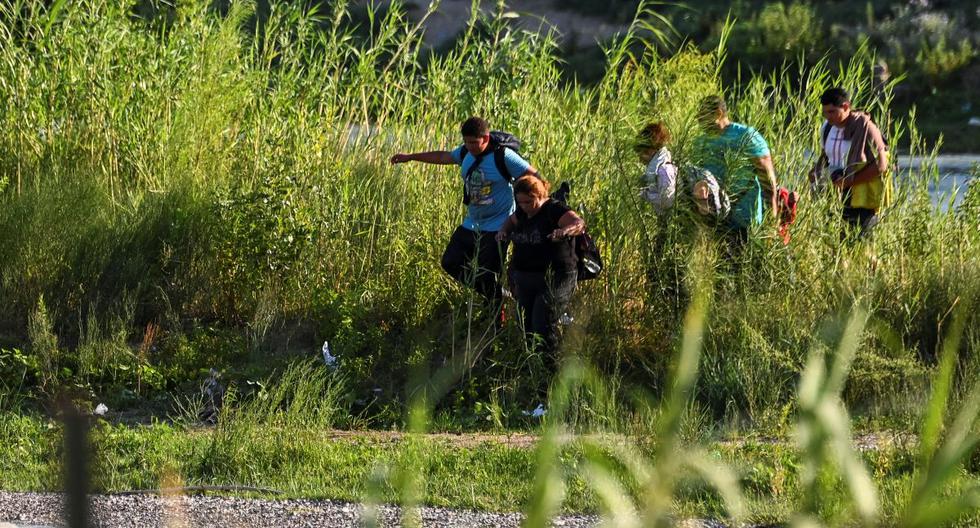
[(635, 482), (636, 479), (208, 166)]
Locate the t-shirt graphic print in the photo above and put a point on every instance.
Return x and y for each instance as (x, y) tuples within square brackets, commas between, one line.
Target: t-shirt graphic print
[(490, 195), (478, 188)]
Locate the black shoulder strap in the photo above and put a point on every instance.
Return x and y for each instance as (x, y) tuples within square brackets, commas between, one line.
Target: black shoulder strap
[(499, 160), (824, 133), (476, 163)]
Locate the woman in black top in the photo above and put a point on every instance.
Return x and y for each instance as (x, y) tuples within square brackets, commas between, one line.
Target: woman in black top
[(543, 265)]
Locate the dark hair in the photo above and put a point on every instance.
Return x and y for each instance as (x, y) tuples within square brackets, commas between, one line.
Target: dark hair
[(475, 127), (835, 96), (532, 186), (711, 105), (654, 135)]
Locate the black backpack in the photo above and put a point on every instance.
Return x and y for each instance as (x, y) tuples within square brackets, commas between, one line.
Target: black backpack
[(586, 252), (499, 141)]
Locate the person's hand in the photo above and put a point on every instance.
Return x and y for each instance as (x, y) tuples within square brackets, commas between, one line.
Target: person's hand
[(558, 234), (400, 158), (502, 236)]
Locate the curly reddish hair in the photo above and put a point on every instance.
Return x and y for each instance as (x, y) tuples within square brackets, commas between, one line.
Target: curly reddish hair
[(532, 186), (654, 135)]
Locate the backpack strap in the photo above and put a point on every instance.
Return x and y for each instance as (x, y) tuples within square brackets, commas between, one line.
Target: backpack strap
[(476, 163), (499, 160), (824, 134)]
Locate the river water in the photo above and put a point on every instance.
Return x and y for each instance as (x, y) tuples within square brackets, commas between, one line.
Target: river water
[(955, 173)]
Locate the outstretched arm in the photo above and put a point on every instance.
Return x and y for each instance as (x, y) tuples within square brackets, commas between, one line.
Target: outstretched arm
[(435, 157)]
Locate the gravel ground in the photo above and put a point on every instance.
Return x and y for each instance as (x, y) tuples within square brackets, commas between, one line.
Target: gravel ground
[(44, 509)]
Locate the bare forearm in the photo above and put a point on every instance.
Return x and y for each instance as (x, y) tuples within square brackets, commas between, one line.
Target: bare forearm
[(773, 194), (574, 229), (571, 224), (767, 179), (435, 157), (869, 172), (504, 232), (817, 170)]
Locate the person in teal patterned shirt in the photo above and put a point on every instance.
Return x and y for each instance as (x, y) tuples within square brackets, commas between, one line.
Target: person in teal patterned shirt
[(739, 158)]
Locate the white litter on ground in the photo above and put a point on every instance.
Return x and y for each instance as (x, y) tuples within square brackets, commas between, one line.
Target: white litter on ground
[(328, 358), (538, 412)]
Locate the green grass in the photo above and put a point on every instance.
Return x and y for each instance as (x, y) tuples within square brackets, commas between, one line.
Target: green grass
[(186, 193), (303, 465), (486, 475), (282, 438)]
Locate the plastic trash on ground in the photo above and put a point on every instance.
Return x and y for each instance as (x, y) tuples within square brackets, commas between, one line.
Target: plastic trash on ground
[(329, 359)]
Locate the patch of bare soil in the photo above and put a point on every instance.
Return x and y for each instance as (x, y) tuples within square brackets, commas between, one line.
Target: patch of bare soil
[(517, 440)]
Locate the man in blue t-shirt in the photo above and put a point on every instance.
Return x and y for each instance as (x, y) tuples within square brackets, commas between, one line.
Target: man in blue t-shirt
[(739, 158), (490, 201)]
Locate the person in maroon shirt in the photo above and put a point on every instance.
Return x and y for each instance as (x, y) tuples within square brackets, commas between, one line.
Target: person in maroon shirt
[(854, 158), (543, 265)]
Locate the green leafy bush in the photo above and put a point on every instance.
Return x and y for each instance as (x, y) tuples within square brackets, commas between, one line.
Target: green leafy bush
[(939, 62)]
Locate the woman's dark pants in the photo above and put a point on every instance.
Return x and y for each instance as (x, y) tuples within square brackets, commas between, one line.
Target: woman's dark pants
[(863, 220), (543, 298), (467, 249)]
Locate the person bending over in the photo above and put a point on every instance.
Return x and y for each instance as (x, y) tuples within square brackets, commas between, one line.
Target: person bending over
[(473, 256), (543, 266), (660, 176), (739, 158)]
